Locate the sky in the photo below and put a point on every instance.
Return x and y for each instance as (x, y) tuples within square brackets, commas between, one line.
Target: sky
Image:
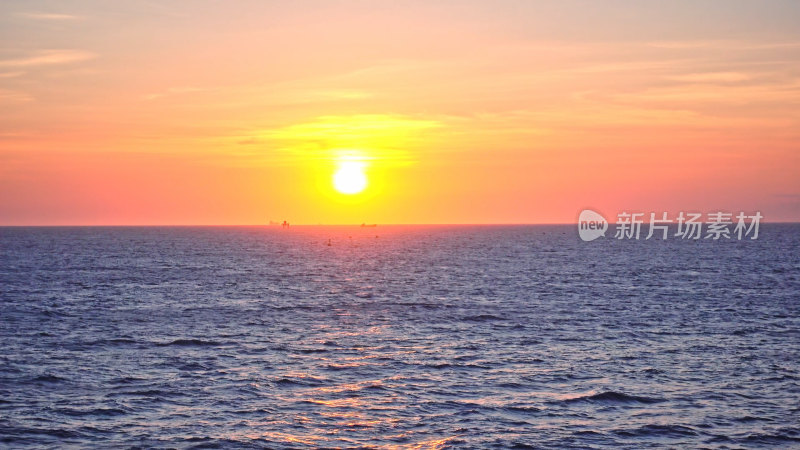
[(222, 113)]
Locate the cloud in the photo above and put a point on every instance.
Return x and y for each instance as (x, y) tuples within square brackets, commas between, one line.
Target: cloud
[(49, 16), (8, 96), (362, 127), (174, 91), (712, 77), (381, 138), (681, 45), (320, 95), (722, 44), (48, 58)]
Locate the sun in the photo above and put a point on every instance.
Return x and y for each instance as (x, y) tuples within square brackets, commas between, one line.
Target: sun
[(350, 178)]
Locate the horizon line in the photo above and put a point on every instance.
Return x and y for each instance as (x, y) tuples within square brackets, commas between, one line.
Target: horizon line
[(267, 225)]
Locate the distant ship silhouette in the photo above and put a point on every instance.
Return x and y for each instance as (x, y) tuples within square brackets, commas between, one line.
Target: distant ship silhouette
[(364, 225)]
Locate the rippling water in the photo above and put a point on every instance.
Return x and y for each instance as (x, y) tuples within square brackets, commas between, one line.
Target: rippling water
[(425, 336)]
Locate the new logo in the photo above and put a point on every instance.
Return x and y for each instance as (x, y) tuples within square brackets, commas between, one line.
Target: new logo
[(591, 225)]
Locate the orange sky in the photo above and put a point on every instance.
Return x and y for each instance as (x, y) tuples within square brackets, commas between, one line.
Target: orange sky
[(208, 112)]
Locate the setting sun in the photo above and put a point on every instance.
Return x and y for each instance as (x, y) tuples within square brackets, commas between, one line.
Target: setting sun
[(350, 178)]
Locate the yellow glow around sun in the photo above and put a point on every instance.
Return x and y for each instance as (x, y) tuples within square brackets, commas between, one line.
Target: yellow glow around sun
[(350, 177)]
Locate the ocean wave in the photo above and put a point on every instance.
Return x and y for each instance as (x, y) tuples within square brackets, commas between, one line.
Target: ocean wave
[(189, 343), (613, 397), (482, 318), (107, 342), (521, 408), (771, 439), (48, 378), (298, 381), (656, 430), (147, 393), (101, 412), (311, 350), (22, 434)]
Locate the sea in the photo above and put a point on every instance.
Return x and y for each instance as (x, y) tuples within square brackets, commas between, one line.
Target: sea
[(423, 337)]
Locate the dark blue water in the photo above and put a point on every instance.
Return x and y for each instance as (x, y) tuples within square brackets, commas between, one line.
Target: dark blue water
[(418, 337)]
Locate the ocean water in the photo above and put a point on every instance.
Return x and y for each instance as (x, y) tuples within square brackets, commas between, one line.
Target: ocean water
[(395, 336)]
